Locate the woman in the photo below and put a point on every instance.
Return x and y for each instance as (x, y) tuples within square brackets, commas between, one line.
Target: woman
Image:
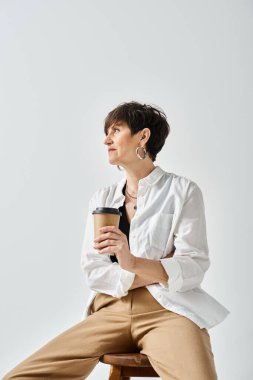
[(145, 276)]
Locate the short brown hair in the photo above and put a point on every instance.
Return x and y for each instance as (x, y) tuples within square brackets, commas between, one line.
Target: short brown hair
[(139, 116)]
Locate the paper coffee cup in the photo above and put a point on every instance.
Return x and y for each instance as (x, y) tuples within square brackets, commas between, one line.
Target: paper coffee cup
[(105, 216)]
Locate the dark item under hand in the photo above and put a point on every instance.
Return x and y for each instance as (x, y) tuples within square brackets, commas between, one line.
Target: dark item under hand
[(124, 227)]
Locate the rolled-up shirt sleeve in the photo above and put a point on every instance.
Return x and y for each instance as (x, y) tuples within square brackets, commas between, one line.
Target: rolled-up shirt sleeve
[(101, 274), (187, 267)]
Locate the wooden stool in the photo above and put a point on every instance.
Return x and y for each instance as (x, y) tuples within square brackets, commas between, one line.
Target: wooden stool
[(123, 366)]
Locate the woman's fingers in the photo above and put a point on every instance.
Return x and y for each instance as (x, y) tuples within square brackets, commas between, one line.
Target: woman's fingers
[(109, 232), (104, 243), (114, 229), (107, 235)]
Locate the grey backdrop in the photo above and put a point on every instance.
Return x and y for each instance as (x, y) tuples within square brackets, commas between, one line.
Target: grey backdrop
[(64, 66)]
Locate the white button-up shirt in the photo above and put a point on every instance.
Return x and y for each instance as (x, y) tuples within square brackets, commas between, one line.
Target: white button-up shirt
[(170, 215)]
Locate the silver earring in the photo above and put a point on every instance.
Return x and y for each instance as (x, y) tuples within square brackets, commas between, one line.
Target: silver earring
[(119, 168), (137, 152)]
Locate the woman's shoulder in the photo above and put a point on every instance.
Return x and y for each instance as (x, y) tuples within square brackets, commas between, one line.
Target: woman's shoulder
[(181, 182), (179, 178), (102, 193)]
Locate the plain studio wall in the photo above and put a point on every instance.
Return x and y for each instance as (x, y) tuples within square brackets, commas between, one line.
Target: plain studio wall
[(64, 66)]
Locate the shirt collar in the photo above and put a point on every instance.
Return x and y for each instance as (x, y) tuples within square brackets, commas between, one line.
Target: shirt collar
[(149, 180)]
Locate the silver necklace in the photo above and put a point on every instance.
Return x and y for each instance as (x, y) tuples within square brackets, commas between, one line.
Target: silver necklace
[(131, 196)]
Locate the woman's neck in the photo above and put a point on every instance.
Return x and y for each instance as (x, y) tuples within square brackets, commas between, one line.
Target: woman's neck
[(133, 177)]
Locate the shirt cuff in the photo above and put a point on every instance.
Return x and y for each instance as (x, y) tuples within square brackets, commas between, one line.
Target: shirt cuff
[(173, 269), (124, 283)]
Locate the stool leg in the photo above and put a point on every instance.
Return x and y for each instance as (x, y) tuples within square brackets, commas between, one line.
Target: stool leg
[(115, 372)]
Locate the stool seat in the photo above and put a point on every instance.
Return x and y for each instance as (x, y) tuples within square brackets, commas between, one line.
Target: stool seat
[(124, 366), (128, 360)]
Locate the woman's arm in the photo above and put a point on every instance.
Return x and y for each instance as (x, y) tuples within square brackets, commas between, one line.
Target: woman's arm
[(100, 273), (151, 268), (140, 280), (191, 259)]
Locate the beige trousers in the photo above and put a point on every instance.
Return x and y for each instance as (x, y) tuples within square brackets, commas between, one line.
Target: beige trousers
[(177, 348)]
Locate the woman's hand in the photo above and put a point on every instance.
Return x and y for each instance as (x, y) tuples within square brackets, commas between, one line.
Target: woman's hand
[(113, 241)]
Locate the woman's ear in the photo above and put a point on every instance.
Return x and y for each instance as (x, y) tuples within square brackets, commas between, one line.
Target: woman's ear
[(146, 132)]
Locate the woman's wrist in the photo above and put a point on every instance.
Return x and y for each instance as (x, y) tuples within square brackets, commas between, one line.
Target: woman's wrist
[(140, 281), (151, 269)]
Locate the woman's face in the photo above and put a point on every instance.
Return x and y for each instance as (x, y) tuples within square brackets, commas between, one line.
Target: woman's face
[(119, 139)]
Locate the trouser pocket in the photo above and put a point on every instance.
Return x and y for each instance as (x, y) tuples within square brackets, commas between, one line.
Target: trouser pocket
[(102, 301)]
